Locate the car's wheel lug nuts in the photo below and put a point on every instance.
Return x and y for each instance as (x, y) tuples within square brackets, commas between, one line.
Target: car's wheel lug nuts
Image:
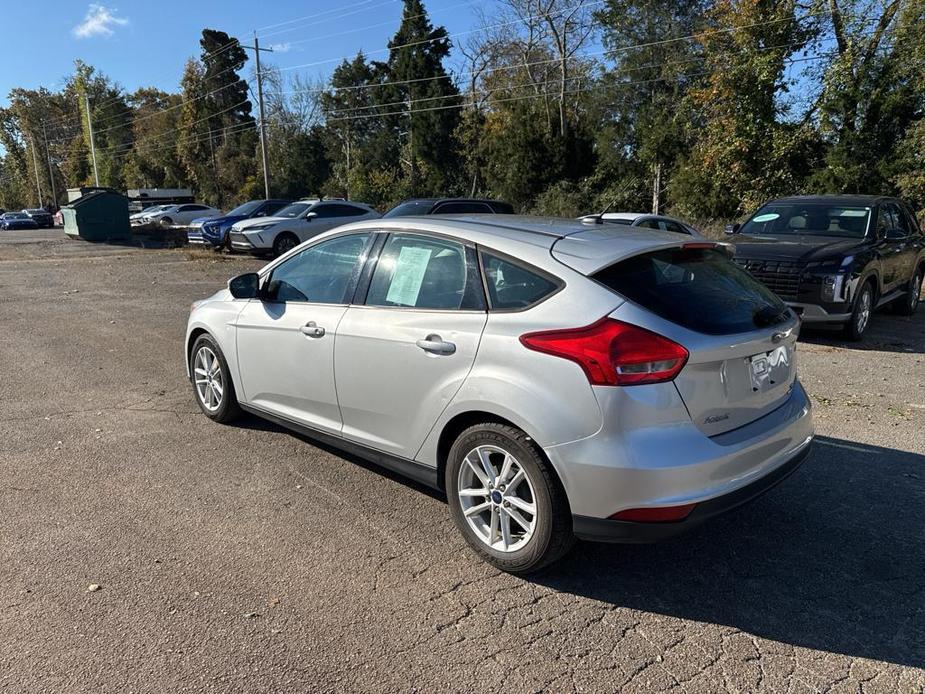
[(507, 504)]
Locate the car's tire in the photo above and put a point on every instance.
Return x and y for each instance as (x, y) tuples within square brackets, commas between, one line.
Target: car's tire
[(503, 533), (284, 242), (909, 302), (166, 221), (861, 313), (211, 381)]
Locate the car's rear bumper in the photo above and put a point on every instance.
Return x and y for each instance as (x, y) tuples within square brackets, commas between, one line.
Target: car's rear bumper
[(606, 530), (649, 454)]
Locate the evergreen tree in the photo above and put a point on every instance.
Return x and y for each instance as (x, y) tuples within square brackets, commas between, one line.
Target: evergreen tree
[(354, 127), (218, 143), (420, 102)]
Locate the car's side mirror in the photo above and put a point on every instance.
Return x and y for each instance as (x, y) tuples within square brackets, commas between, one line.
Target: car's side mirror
[(311, 215), (732, 228), (246, 286)]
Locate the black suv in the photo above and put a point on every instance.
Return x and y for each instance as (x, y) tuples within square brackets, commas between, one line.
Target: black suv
[(41, 217), (417, 206), (835, 258)]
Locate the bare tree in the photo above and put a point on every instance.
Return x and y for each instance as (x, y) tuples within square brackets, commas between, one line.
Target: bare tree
[(559, 28)]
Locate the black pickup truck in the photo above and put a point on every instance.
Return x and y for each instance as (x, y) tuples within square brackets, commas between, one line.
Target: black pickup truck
[(835, 258)]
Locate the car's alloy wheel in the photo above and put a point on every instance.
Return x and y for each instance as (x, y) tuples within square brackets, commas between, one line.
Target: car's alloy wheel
[(910, 302), (212, 381), (207, 375), (863, 317), (497, 498), (506, 499), (860, 315), (284, 243)]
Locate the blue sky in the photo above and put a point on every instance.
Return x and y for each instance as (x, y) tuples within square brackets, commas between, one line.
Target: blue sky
[(147, 43)]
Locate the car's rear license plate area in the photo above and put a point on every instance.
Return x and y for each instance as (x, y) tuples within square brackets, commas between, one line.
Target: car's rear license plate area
[(770, 369)]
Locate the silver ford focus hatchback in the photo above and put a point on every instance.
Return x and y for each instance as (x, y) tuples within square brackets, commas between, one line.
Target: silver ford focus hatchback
[(554, 379)]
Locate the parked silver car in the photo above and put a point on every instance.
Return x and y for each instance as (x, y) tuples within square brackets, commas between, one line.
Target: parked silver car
[(554, 380)]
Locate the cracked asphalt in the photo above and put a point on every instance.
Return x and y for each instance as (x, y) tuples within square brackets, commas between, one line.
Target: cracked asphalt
[(248, 559)]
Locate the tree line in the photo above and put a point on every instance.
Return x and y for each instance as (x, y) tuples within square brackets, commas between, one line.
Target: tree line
[(705, 108)]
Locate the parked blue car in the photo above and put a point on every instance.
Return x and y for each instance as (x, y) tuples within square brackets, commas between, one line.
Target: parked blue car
[(17, 220), (213, 231)]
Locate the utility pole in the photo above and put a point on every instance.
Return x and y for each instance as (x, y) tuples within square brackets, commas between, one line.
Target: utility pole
[(96, 175), (657, 188), (35, 163), (263, 126), (413, 164), (51, 171)]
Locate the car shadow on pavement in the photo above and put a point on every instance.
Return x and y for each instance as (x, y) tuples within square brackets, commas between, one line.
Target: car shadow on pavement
[(254, 423), (888, 332), (832, 559)]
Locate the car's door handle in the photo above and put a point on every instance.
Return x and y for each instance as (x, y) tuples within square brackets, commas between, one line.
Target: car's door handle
[(312, 330), (435, 345)]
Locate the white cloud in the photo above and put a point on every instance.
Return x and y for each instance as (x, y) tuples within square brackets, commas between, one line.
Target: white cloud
[(100, 21), (281, 47)]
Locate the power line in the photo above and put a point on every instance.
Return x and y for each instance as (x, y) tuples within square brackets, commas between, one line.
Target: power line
[(448, 37), (389, 22), (620, 85), (320, 14), (149, 147)]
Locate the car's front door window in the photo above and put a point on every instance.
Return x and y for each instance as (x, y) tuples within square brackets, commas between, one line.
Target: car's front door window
[(424, 273), (320, 274)]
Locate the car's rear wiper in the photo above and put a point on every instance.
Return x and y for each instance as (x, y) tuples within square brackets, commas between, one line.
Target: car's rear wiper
[(768, 315)]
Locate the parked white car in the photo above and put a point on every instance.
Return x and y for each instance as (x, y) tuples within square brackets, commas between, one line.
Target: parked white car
[(180, 215), (296, 223), (140, 217), (643, 220)]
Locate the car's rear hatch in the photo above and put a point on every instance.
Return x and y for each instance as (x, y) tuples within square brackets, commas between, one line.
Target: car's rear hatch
[(740, 337)]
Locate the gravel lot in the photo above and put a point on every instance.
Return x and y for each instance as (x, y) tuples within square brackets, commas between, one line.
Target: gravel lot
[(247, 559)]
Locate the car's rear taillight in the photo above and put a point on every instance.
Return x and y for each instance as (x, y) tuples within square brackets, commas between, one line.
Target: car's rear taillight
[(613, 353)]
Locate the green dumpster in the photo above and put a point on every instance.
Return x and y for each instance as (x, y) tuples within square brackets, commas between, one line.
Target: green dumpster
[(100, 215)]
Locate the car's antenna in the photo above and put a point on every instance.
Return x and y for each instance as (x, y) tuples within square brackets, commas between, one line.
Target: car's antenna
[(599, 217)]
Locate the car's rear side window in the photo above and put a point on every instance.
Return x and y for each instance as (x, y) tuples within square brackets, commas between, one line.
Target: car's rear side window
[(700, 289), (512, 286)]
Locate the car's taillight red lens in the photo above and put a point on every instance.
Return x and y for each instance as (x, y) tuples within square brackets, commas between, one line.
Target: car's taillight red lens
[(664, 514), (613, 353)]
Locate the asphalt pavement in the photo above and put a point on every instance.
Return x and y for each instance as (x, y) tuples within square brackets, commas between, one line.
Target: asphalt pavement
[(245, 558)]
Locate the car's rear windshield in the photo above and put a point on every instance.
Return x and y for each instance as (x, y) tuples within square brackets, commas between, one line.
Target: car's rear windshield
[(809, 218), (700, 289)]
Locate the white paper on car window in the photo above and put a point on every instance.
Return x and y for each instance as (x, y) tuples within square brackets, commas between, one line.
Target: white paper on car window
[(408, 276)]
